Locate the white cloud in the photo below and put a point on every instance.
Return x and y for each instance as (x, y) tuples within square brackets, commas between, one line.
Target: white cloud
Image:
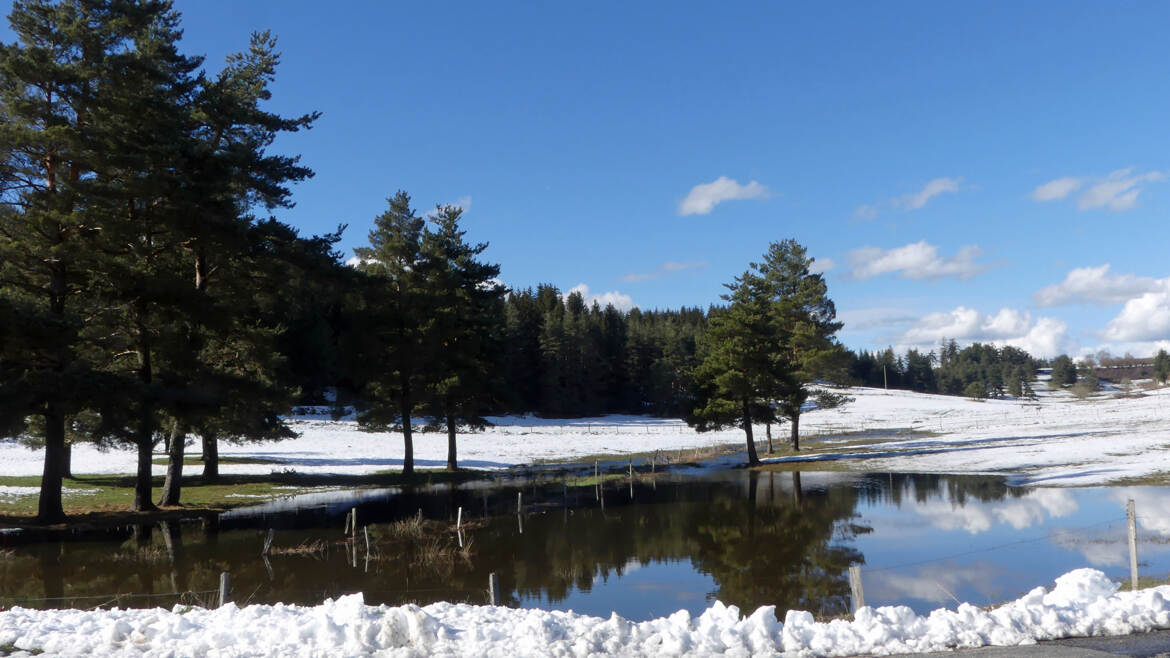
[(1043, 337), (1095, 285), (822, 265), (1117, 192), (463, 202), (918, 260), (1145, 348), (666, 269), (703, 198), (929, 191), (1143, 318), (1055, 190), (913, 201), (620, 301)]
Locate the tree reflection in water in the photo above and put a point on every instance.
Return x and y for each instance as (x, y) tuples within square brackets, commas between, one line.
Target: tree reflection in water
[(759, 538)]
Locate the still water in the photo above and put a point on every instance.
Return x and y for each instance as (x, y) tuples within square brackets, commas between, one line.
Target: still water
[(642, 549)]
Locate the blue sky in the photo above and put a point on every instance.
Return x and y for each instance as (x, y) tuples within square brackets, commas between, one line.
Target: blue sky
[(982, 171)]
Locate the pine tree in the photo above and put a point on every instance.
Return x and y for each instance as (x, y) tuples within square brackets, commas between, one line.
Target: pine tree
[(742, 365), (808, 320), (62, 92), (1064, 372), (1015, 382), (145, 194), (393, 319), (1162, 366), (229, 173), (466, 307)]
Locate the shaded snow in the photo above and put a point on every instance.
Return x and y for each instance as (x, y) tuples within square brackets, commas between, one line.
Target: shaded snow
[(1082, 602)]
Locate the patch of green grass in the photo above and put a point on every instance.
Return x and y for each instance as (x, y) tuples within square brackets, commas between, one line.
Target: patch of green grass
[(1146, 581), (115, 493)]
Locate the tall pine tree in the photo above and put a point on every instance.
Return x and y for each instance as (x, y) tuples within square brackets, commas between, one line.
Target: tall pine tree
[(742, 367), (466, 304), (62, 91), (392, 319), (806, 321)]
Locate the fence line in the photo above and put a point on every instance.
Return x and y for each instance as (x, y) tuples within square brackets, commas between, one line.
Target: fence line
[(109, 597)]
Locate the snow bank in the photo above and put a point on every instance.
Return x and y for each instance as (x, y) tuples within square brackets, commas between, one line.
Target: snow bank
[(1083, 602)]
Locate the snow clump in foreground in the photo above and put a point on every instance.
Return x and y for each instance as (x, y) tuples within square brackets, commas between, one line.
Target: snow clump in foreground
[(1083, 602)]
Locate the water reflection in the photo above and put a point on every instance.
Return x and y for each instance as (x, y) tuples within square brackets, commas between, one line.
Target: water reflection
[(641, 546)]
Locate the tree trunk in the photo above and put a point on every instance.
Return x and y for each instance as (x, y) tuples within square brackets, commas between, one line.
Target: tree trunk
[(795, 420), (145, 434), (172, 486), (143, 480), (747, 430), (49, 504), (797, 492), (49, 508), (210, 459), (67, 460), (452, 460), (768, 431), (407, 437)]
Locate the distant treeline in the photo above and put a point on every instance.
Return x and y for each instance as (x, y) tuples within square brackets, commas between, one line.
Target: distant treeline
[(557, 355), (566, 358), (979, 370)]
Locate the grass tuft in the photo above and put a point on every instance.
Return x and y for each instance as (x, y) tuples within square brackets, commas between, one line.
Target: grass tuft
[(314, 548)]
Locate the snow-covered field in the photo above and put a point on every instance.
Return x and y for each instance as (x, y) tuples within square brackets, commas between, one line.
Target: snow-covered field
[(1082, 602), (1054, 441)]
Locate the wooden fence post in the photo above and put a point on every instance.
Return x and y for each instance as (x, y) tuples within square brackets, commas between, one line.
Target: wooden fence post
[(225, 589), (1131, 518), (855, 587), (493, 589)]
